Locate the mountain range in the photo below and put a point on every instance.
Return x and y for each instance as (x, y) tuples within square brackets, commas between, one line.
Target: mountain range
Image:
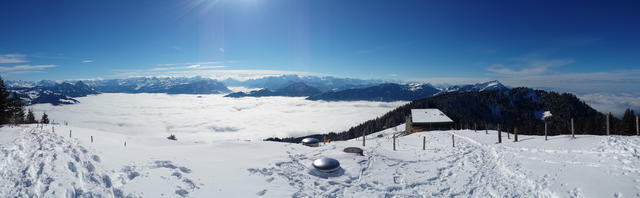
[(56, 93), (384, 92), (297, 89), (312, 87), (322, 83)]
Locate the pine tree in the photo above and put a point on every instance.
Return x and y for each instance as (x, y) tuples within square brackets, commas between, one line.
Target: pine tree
[(628, 124), (16, 109), (44, 119), (30, 117), (4, 103)]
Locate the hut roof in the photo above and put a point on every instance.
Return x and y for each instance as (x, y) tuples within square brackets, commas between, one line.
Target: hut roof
[(429, 116)]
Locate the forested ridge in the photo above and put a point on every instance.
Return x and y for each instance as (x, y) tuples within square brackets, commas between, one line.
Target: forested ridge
[(520, 108)]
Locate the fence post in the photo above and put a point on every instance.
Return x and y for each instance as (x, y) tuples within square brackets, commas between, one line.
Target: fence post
[(424, 142), (573, 131), (453, 141), (515, 134), (394, 142), (475, 127), (508, 134), (608, 132), (92, 139), (499, 134), (486, 128), (545, 130), (363, 136), (69, 133)]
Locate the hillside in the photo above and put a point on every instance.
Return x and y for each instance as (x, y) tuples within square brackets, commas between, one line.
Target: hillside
[(55, 94), (520, 108), (384, 92)]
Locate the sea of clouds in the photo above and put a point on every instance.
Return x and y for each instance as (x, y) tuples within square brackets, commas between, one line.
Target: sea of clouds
[(212, 117)]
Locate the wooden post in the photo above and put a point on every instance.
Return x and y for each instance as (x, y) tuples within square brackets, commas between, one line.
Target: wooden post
[(545, 130), (637, 125), (424, 142), (508, 134), (125, 143), (363, 138), (608, 129), (515, 134), (453, 141), (486, 128), (92, 139), (573, 131), (53, 129), (69, 133), (394, 142), (475, 127), (499, 134)]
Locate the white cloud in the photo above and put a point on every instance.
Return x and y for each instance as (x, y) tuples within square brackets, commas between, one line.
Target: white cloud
[(614, 103), (13, 58), (187, 67), (607, 82), (17, 68), (87, 61), (527, 67)]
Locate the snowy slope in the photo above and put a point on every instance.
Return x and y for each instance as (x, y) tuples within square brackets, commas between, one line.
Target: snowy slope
[(588, 166)]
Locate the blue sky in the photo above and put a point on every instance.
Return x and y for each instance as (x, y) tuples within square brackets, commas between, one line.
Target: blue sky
[(575, 45)]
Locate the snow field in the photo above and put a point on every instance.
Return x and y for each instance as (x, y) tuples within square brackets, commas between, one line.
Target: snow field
[(38, 162)]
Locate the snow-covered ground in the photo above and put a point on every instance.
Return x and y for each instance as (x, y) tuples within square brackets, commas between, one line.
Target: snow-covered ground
[(39, 162), (212, 117)]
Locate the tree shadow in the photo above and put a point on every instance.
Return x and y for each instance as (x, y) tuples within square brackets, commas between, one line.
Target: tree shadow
[(525, 139)]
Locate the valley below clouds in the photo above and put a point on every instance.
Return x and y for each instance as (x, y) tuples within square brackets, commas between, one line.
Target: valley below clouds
[(203, 118)]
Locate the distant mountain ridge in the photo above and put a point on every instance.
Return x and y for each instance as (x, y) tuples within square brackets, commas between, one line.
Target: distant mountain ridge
[(403, 92), (484, 86), (195, 85), (386, 92), (313, 87), (323, 83), (56, 94), (297, 89)]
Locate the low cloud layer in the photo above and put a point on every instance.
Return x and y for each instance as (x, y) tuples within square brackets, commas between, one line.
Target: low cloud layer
[(616, 104), (213, 117)]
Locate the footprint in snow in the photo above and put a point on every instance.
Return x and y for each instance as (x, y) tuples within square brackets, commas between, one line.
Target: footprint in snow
[(262, 192)]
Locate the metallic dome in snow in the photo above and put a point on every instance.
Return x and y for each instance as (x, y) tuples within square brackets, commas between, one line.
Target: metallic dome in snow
[(326, 165), (310, 141)]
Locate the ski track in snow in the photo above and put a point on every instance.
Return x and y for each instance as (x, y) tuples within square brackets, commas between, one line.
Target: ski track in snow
[(470, 169), (40, 163), (488, 177)]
